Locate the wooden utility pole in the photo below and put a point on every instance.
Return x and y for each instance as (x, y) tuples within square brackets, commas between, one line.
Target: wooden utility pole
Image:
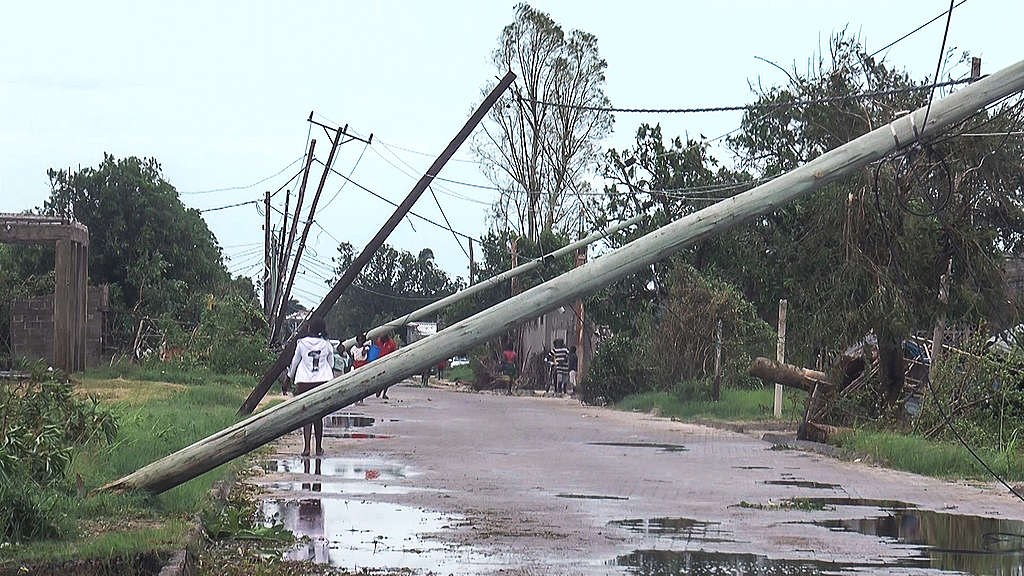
[(514, 254), (278, 266), (472, 263), (267, 297), (291, 242), (335, 142), (371, 248), (282, 418), (780, 354), (716, 391)]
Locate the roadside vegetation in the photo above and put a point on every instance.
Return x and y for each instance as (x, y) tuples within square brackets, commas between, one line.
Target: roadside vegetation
[(692, 401), (122, 418)]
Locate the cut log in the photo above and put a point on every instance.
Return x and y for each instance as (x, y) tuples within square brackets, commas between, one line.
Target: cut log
[(787, 374), (819, 432)]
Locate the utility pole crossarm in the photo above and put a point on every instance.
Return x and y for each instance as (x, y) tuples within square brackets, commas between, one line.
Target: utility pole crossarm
[(278, 420)]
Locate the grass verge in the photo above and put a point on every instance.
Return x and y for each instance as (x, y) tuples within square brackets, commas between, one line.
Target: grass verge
[(159, 412), (459, 373), (930, 457), (735, 404)]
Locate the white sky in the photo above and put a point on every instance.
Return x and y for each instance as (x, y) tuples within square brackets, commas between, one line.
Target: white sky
[(219, 92)]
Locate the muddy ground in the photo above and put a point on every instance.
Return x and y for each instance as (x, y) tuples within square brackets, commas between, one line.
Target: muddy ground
[(438, 480)]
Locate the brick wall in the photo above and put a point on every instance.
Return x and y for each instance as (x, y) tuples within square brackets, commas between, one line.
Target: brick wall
[(32, 326)]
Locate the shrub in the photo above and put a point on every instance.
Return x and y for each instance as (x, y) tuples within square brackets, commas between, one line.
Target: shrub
[(619, 369)]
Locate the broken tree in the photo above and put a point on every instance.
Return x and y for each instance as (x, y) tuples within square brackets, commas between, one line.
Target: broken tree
[(278, 420)]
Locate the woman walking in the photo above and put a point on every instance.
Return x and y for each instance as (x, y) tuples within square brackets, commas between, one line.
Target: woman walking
[(311, 367)]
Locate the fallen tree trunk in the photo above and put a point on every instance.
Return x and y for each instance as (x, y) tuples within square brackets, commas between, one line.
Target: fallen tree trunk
[(639, 254), (819, 432), (788, 374)]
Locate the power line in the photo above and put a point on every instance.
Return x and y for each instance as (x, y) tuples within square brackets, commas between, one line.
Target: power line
[(225, 207), (915, 30), (434, 176), (938, 67), (448, 222), (751, 107), (247, 186), (350, 173)]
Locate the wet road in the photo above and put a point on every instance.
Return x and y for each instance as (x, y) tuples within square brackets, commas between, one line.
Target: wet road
[(450, 482)]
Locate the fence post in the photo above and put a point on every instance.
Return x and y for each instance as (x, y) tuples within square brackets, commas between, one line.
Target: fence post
[(716, 392), (780, 354)]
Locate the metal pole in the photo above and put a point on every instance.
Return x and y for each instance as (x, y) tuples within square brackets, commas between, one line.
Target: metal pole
[(364, 257), (282, 418)]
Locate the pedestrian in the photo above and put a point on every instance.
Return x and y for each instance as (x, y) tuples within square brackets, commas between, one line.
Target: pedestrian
[(561, 358), (549, 365), (508, 365), (387, 345), (311, 367), (360, 352), (574, 366)]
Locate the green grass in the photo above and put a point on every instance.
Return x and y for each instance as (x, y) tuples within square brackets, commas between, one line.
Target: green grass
[(155, 419), (735, 404), (932, 458), (463, 373)]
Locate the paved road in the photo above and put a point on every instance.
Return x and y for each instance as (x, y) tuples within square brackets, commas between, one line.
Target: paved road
[(477, 483)]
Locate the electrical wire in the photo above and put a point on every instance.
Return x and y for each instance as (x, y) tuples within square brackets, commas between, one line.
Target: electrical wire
[(938, 68), (350, 173), (448, 222), (225, 207), (750, 107), (245, 187), (914, 31)]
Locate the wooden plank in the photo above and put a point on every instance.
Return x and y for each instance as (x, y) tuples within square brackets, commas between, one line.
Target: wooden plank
[(280, 419)]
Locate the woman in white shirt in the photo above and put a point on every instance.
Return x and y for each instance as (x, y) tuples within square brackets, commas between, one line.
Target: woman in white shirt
[(311, 367)]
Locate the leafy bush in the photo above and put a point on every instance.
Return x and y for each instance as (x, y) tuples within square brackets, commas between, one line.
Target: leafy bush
[(619, 369), (40, 424)]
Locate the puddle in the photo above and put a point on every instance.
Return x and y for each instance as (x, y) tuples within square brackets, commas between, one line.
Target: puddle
[(353, 487), (701, 563), (355, 534), (971, 544), (658, 445), (328, 433), (676, 528), (339, 468), (347, 421), (752, 467), (803, 484), (863, 502), (591, 497)]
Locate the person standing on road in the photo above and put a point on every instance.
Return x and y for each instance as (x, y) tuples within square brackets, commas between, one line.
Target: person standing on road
[(360, 352), (574, 366), (561, 358), (311, 367), (508, 365), (387, 346)]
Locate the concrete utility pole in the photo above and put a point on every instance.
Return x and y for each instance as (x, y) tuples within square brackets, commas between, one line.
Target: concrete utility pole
[(780, 354), (430, 309), (291, 242), (371, 248), (280, 419), (472, 262)]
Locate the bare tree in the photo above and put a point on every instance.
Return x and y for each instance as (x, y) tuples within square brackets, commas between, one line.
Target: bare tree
[(541, 141)]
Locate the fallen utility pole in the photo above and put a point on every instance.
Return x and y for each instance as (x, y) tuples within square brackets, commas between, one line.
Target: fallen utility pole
[(280, 419), (493, 281), (371, 248)]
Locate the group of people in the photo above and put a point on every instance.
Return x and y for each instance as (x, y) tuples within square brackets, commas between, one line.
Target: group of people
[(563, 365), (316, 360)]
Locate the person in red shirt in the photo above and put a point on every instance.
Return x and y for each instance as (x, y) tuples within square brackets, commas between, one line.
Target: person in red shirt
[(387, 346), (508, 364)]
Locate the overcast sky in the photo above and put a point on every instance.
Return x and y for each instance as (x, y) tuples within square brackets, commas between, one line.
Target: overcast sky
[(219, 92)]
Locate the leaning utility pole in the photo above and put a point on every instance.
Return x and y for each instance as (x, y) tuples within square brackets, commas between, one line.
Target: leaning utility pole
[(278, 264), (267, 298), (371, 248), (278, 420), (291, 242)]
